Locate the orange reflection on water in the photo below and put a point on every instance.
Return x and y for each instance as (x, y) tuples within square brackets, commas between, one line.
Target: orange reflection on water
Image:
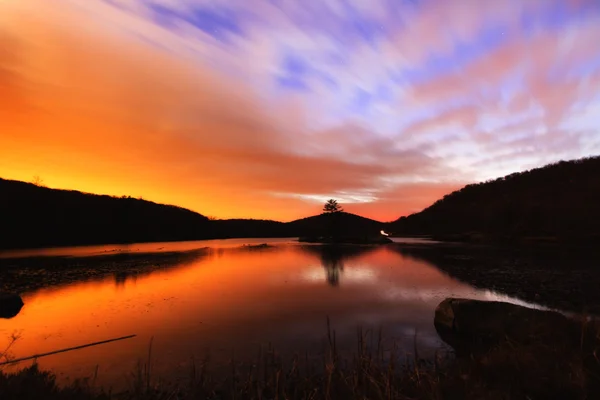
[(229, 299)]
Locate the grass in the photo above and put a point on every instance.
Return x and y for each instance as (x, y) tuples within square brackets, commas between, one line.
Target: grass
[(508, 370)]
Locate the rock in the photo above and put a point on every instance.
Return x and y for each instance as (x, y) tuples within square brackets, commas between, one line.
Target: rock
[(10, 305), (542, 354), (473, 325)]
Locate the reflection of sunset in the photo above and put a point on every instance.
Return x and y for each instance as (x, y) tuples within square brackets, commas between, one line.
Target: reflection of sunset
[(258, 293), (232, 298)]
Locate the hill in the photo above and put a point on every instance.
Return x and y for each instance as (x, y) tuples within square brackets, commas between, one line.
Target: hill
[(249, 228), (346, 223), (34, 216), (560, 201)]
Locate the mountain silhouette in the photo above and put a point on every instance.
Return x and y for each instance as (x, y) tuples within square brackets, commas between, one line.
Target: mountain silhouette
[(36, 216), (347, 224), (558, 202)]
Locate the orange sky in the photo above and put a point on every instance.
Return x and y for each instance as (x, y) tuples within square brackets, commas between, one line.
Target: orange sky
[(103, 113), (103, 101)]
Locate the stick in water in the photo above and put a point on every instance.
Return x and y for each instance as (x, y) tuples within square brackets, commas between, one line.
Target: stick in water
[(64, 350)]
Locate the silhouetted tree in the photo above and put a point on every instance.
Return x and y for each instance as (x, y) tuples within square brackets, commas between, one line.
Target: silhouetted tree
[(332, 209), (38, 181), (332, 206)]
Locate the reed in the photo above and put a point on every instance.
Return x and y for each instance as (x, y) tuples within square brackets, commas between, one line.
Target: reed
[(373, 371)]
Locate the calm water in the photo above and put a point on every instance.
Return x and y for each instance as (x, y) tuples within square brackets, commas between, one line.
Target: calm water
[(231, 299)]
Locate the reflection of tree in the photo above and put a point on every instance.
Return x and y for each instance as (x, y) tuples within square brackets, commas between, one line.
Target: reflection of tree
[(333, 262), (333, 210), (333, 258), (121, 278)]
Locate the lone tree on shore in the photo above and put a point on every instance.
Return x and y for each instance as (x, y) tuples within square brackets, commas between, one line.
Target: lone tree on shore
[(38, 181), (333, 211), (331, 206)]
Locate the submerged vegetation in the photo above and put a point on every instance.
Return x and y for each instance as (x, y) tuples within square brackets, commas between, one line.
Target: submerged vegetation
[(559, 277), (23, 275)]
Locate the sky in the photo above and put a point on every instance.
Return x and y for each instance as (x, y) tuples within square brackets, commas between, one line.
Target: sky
[(265, 109)]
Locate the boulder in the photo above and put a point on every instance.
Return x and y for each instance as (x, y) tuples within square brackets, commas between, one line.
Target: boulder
[(10, 305), (472, 325), (508, 351)]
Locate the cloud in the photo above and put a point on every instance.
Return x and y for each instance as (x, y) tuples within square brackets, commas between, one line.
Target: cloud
[(513, 103), (106, 108), (262, 109)]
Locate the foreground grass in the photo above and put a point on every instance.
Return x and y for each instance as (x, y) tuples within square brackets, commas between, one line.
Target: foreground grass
[(509, 370)]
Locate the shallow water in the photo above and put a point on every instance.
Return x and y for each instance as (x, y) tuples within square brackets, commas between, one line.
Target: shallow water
[(231, 300)]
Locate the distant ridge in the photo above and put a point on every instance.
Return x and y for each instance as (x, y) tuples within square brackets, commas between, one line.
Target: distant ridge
[(348, 224), (35, 216), (249, 228), (559, 201)]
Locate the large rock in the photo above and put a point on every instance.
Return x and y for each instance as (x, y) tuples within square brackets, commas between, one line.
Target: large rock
[(471, 325), (10, 305), (508, 351)]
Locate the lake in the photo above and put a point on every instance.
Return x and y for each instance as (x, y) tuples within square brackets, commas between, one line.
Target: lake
[(230, 298)]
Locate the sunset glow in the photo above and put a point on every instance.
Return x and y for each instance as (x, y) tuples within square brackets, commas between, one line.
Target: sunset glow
[(266, 109), (222, 300)]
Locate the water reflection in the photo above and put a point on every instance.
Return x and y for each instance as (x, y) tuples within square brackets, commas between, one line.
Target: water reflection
[(333, 264), (538, 277), (233, 298), (334, 257), (32, 273), (155, 247), (121, 278)]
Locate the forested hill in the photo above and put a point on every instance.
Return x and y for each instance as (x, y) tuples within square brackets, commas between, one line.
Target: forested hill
[(34, 216), (347, 224), (560, 201)]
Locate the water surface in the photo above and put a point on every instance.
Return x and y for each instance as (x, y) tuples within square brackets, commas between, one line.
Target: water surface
[(232, 299)]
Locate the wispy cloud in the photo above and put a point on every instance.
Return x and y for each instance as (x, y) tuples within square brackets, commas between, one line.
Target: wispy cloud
[(262, 108)]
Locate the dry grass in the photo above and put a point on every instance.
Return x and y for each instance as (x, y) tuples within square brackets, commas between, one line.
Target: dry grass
[(507, 371)]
